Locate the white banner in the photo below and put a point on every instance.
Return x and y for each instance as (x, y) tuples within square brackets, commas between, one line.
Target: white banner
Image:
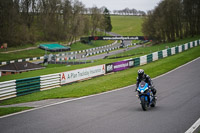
[(80, 74)]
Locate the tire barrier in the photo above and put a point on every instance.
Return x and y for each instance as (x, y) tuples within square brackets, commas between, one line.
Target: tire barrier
[(21, 60), (66, 54), (13, 88)]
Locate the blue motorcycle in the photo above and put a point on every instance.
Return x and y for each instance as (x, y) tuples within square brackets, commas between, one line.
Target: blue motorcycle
[(146, 96)]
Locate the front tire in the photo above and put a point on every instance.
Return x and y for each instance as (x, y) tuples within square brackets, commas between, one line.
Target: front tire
[(143, 103)]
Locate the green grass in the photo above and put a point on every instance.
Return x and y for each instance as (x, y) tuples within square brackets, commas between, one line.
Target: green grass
[(62, 68), (147, 50), (10, 110), (22, 54), (124, 25), (111, 81), (39, 52), (127, 25)]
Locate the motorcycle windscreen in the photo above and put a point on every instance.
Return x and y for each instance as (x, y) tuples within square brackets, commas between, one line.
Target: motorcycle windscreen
[(143, 84)]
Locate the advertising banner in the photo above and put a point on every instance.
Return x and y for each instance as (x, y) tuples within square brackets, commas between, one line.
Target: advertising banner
[(109, 68), (119, 66), (88, 39), (131, 63), (80, 74)]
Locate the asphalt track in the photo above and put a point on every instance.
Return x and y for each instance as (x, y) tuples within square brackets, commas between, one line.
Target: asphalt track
[(178, 107), (102, 56)]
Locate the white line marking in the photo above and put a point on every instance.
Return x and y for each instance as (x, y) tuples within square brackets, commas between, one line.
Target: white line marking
[(94, 94), (194, 127)]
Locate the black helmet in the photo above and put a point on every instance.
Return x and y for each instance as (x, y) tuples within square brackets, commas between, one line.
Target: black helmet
[(140, 73)]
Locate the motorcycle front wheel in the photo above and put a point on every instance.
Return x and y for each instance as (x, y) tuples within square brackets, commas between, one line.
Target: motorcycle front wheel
[(143, 103)]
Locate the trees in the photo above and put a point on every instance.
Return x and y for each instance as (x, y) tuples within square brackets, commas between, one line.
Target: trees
[(107, 20), (96, 19), (27, 21), (10, 22), (128, 11), (173, 19)]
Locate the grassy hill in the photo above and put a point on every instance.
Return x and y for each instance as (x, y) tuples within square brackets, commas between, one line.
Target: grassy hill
[(127, 25)]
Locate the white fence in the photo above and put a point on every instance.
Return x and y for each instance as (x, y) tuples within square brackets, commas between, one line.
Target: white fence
[(7, 89), (49, 81)]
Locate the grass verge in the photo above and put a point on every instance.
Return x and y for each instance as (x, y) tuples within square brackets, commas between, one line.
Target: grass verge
[(62, 68), (127, 25), (111, 81), (10, 110), (39, 52), (147, 50)]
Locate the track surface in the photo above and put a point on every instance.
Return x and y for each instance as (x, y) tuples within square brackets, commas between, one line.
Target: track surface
[(178, 107), (101, 56)]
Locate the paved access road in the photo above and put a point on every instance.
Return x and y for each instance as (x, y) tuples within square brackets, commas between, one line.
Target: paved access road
[(102, 56), (120, 111)]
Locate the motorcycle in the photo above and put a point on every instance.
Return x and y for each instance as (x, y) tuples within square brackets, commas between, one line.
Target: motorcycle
[(146, 96)]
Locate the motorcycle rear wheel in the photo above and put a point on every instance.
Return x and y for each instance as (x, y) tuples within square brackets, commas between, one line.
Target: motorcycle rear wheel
[(154, 103)]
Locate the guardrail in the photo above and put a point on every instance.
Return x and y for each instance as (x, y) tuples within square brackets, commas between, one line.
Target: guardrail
[(13, 88), (49, 81), (27, 85), (7, 89), (61, 54)]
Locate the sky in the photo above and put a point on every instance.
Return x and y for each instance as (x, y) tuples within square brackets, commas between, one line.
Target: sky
[(143, 5)]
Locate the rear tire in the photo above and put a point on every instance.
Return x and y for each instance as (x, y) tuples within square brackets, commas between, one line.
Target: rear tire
[(154, 103), (143, 103)]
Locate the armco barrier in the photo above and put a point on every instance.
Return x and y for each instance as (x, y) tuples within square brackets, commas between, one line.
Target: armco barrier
[(136, 62), (155, 56), (143, 60), (59, 59), (13, 88), (7, 89), (20, 60), (186, 46), (27, 86), (195, 43), (164, 53), (176, 50), (49, 81), (169, 52), (183, 47), (180, 48), (149, 58), (160, 55), (173, 50)]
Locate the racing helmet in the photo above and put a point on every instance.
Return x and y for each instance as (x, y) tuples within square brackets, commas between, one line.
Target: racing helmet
[(140, 73)]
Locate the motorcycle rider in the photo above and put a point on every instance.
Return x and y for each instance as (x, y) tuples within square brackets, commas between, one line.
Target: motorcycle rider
[(147, 79)]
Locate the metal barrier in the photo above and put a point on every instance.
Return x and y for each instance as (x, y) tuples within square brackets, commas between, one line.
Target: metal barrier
[(13, 88), (143, 60), (27, 86), (7, 89), (149, 58), (49, 81)]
